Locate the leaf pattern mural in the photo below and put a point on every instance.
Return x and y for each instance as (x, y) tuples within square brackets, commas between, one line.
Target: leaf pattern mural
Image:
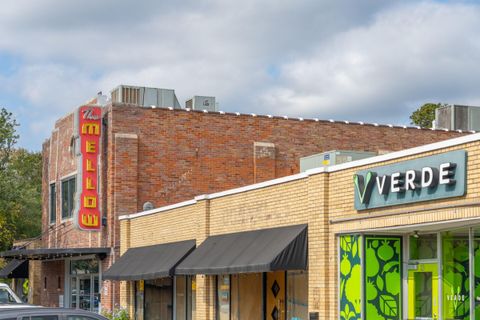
[(476, 257), (350, 278), (383, 281), (456, 290)]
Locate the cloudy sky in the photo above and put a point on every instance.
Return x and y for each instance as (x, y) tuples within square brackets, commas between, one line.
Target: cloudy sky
[(371, 61)]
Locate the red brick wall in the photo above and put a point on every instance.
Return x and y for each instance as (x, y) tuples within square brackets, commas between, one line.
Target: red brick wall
[(264, 161), (59, 163), (167, 156), (52, 271), (183, 154)]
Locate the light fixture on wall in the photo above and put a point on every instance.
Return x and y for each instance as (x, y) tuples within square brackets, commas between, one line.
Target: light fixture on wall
[(415, 234)]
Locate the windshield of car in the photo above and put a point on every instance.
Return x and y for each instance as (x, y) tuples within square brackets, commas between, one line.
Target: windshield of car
[(7, 297)]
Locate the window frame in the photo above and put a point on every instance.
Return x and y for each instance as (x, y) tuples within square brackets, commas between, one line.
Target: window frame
[(69, 182), (52, 204)]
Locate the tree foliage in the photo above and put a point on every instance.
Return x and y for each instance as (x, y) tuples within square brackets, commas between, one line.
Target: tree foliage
[(424, 115), (8, 136), (20, 186)]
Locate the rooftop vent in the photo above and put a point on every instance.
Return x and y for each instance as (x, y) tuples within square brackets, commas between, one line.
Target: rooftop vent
[(331, 158), (457, 117), (201, 103), (146, 97), (148, 206)]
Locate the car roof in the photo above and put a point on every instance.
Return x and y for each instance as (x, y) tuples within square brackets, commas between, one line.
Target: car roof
[(9, 312)]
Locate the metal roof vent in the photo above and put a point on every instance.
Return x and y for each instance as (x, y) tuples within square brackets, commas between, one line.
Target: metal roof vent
[(202, 103), (331, 158), (148, 206), (457, 117), (145, 97)]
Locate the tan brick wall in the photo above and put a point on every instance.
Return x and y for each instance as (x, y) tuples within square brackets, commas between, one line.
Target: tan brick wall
[(180, 224), (279, 205), (169, 226)]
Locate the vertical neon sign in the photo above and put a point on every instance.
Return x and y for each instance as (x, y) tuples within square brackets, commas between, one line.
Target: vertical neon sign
[(89, 128)]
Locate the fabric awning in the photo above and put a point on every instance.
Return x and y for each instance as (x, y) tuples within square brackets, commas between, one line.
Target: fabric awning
[(264, 250), (144, 263), (53, 253), (15, 269)]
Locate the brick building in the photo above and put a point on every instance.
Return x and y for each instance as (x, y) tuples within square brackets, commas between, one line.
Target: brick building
[(401, 242), (162, 156)]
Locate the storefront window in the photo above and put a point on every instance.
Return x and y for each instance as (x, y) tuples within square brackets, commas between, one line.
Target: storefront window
[(84, 266), (456, 284), (297, 295), (139, 299), (423, 246), (158, 299), (192, 294), (180, 297), (183, 298), (350, 278), (247, 296), (476, 271), (383, 280), (223, 297)]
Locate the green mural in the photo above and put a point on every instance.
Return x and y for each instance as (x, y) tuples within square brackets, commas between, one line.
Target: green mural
[(456, 290), (383, 281), (350, 278), (477, 275)]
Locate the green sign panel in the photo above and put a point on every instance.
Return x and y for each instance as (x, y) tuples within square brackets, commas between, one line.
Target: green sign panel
[(423, 179)]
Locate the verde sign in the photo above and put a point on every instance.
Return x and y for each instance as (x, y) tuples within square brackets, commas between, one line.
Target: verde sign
[(422, 179)]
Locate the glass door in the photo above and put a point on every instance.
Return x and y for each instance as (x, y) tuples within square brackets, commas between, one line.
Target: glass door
[(73, 292), (423, 291), (85, 292), (84, 284)]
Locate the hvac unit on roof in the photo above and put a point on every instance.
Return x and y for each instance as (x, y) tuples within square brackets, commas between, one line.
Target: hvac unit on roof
[(457, 117), (145, 96), (331, 158), (201, 103)]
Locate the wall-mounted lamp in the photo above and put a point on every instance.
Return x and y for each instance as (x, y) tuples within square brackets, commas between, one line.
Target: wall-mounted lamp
[(415, 234)]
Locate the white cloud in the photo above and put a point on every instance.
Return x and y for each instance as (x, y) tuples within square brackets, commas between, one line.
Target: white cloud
[(371, 61), (407, 54)]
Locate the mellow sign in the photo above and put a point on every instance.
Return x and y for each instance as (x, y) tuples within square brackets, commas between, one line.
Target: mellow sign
[(422, 179), (88, 125)]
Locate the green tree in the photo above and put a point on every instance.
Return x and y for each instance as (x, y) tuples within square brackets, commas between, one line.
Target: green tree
[(25, 172), (424, 115), (20, 186), (8, 136)]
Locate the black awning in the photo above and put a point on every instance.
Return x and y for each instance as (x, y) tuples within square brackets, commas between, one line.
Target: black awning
[(264, 250), (15, 269), (53, 253), (144, 263)]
